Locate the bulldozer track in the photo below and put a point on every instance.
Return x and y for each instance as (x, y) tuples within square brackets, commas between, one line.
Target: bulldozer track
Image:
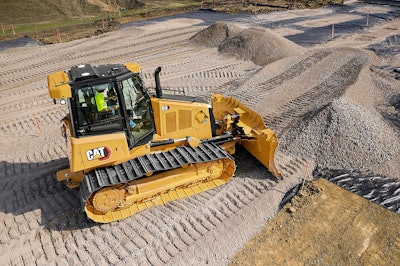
[(147, 165)]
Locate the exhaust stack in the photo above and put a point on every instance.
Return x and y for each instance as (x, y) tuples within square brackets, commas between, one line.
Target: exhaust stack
[(157, 79)]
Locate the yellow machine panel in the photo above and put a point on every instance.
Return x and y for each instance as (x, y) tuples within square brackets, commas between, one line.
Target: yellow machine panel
[(133, 66), (58, 85), (177, 119), (90, 152)]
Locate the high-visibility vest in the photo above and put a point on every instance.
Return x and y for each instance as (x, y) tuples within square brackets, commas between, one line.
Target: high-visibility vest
[(100, 102)]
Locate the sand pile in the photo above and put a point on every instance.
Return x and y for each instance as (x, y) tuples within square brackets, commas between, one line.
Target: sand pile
[(260, 45), (344, 135)]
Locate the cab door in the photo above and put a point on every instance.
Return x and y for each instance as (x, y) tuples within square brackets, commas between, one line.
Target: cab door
[(137, 106)]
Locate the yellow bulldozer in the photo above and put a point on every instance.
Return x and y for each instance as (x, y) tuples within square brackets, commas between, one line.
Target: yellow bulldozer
[(130, 149)]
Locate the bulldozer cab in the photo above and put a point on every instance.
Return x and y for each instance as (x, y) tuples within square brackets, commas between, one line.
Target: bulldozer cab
[(122, 104)]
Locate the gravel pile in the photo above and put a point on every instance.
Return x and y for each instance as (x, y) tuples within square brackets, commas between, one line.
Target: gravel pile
[(344, 135), (260, 45), (216, 34)]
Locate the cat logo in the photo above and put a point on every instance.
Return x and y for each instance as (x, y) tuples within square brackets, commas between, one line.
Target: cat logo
[(101, 153)]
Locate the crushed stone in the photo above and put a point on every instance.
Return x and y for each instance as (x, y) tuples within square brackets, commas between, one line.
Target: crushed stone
[(344, 135)]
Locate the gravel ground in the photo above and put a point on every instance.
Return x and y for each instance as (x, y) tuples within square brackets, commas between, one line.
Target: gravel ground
[(329, 105)]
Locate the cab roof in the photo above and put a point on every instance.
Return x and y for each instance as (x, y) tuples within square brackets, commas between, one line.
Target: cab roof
[(60, 83), (87, 72)]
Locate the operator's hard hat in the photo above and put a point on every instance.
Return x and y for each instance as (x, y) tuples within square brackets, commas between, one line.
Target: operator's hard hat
[(101, 87)]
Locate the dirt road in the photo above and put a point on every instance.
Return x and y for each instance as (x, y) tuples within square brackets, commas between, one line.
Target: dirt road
[(303, 97)]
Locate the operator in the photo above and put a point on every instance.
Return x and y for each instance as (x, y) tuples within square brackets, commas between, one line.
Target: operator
[(101, 101)]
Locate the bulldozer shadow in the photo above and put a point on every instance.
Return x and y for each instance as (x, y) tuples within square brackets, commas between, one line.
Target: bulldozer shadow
[(33, 196), (248, 166)]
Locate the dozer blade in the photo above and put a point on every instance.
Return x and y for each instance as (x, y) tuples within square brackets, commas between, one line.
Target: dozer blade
[(154, 179), (259, 140)]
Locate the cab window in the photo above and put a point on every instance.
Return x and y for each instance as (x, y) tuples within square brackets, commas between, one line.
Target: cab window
[(138, 107), (96, 104)]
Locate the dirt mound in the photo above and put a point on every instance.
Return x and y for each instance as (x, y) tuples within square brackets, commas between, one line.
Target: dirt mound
[(344, 135), (325, 225), (260, 45)]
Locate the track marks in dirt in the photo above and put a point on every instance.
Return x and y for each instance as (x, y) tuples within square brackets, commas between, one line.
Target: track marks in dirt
[(293, 166), (199, 217), (41, 160), (150, 237), (29, 102), (257, 93), (317, 97), (27, 125), (16, 92), (24, 67), (24, 228)]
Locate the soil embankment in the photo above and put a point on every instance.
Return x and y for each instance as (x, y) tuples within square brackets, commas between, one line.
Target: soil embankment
[(326, 225)]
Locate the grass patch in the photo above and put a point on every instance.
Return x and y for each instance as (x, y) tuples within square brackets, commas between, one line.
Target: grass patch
[(41, 19)]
